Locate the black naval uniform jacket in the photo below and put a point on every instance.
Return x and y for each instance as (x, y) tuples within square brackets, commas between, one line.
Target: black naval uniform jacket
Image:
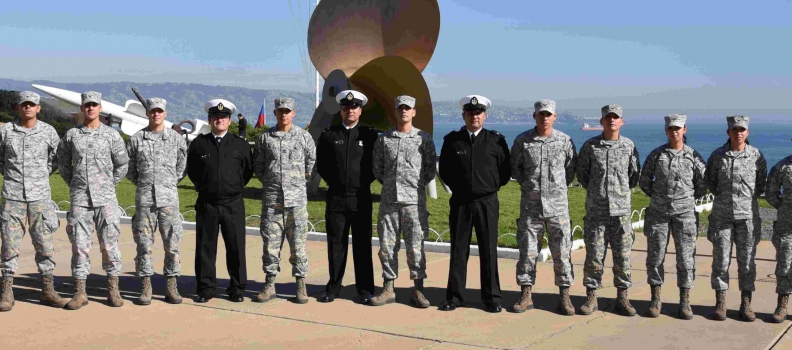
[(219, 173), (477, 171), (344, 159)]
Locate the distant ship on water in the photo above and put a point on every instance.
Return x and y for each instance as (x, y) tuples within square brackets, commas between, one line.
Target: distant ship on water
[(587, 127)]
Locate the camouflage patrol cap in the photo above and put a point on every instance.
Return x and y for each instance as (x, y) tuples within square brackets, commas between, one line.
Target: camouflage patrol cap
[(285, 102), (408, 101), (155, 102), (28, 96), (675, 120), (91, 96), (737, 121), (545, 105), (615, 109)]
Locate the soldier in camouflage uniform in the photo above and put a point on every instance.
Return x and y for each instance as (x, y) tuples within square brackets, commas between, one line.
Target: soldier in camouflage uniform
[(779, 180), (92, 160), (543, 162), (283, 159), (673, 176), (27, 153), (736, 175), (404, 162), (608, 169), (157, 159)]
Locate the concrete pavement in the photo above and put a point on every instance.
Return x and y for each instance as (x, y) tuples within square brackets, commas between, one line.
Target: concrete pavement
[(344, 324)]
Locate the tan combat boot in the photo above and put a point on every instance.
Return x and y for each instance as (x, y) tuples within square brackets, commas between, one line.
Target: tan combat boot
[(387, 296), (172, 293), (113, 294), (656, 305), (145, 291), (7, 298), (526, 302), (79, 299), (49, 296), (565, 306), (591, 302), (418, 300), (720, 306), (780, 313), (685, 312), (623, 303), (268, 293), (746, 313), (302, 293)]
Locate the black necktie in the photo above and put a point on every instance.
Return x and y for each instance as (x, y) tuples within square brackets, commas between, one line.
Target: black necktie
[(218, 139), (472, 138)]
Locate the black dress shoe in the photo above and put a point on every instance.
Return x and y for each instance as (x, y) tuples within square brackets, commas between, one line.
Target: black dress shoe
[(202, 299), (449, 306), (328, 298), (493, 307), (236, 298), (364, 298)]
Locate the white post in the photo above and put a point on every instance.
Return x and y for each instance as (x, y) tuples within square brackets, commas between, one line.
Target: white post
[(318, 95)]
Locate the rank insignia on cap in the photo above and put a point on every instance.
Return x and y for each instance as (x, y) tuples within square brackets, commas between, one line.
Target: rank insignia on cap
[(350, 96), (220, 106), (474, 101)]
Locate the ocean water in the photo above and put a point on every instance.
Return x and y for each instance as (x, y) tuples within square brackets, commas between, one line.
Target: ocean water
[(774, 140)]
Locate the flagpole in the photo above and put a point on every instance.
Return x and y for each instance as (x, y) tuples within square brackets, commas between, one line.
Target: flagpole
[(318, 92)]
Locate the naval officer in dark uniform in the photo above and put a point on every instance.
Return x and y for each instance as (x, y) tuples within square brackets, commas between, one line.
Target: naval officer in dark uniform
[(474, 163), (344, 156), (220, 165)]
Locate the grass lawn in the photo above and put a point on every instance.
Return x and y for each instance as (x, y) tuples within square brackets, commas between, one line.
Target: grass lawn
[(509, 197)]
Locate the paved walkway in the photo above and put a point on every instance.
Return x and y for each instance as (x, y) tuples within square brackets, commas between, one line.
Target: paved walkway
[(344, 324)]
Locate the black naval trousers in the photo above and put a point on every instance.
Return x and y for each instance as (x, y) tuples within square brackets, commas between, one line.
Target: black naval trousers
[(343, 213), (463, 218), (229, 220)]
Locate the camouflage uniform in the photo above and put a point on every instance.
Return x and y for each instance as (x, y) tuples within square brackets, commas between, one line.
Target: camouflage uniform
[(544, 168), (93, 162), (26, 161), (156, 165), (736, 179), (608, 170), (673, 179), (283, 161), (403, 163), (781, 178)]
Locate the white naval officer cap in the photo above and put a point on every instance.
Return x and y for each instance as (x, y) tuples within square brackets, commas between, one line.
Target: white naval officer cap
[(351, 98), (475, 103), (219, 106)]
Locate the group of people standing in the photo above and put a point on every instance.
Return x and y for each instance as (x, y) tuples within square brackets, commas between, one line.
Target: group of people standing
[(474, 162)]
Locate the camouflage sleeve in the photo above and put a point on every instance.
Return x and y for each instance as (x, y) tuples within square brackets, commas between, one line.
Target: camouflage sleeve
[(516, 161), (504, 161), (712, 175), (378, 159), (2, 153), (699, 176), (583, 167), (571, 159), (429, 163), (120, 158), (310, 155), (64, 160), (259, 157), (647, 175), (773, 187), (181, 158), (52, 152), (761, 174), (132, 173), (635, 168)]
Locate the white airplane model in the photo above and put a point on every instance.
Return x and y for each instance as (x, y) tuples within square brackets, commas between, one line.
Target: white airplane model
[(132, 116)]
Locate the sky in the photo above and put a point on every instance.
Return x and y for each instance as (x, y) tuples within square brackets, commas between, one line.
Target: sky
[(642, 54)]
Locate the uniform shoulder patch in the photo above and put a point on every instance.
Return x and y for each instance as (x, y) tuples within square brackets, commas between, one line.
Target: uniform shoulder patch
[(496, 133)]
